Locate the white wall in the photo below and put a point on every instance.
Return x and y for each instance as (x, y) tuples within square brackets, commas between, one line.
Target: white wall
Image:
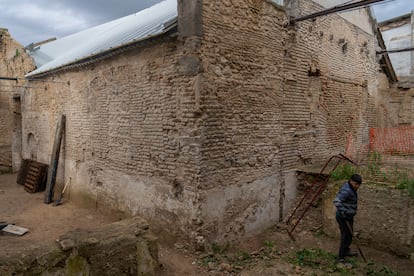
[(357, 17), (398, 38)]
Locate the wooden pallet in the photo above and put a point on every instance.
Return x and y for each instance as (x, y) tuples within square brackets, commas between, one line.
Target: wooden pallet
[(21, 176), (33, 176)]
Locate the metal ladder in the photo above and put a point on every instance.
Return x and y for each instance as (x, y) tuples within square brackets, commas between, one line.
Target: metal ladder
[(312, 193)]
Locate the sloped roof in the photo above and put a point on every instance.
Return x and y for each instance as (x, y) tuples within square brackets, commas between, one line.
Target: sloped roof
[(74, 48)]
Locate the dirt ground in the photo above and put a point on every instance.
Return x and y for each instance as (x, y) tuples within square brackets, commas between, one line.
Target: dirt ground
[(271, 253)]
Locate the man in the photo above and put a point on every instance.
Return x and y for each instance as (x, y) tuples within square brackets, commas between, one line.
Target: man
[(346, 203)]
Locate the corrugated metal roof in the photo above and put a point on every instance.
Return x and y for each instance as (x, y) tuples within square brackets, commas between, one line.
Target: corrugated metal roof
[(147, 23)]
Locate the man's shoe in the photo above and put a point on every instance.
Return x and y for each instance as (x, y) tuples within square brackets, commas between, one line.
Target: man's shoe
[(351, 254), (342, 263)]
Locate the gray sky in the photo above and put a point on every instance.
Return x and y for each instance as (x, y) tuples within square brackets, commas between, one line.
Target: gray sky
[(391, 9), (36, 20)]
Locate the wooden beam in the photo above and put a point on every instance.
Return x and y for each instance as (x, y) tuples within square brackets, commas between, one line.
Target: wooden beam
[(51, 175)]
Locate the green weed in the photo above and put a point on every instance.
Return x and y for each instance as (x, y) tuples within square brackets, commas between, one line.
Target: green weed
[(218, 249), (315, 258), (243, 256), (326, 261), (387, 271), (218, 254), (319, 233), (374, 157), (343, 171), (209, 259), (406, 183), (269, 244)]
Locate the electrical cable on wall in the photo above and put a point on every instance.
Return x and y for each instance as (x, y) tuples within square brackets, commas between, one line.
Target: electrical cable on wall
[(337, 9), (28, 79)]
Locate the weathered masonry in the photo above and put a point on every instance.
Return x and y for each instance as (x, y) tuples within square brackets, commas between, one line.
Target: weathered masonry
[(14, 62), (202, 127)]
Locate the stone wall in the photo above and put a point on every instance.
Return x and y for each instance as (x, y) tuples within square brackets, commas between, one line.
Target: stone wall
[(241, 174), (14, 64), (400, 102), (276, 97), (129, 143), (335, 81)]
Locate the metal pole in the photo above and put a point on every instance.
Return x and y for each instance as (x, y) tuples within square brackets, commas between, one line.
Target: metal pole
[(8, 78), (335, 9), (396, 50)]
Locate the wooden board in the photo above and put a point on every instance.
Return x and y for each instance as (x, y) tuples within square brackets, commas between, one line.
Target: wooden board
[(14, 229)]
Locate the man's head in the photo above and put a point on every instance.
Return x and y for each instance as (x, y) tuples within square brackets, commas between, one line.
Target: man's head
[(355, 181)]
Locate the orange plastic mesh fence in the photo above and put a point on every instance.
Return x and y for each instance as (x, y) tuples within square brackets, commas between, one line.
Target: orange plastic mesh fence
[(397, 140)]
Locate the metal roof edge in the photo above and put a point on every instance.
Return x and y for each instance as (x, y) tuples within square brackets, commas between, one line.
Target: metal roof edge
[(96, 41), (168, 32)]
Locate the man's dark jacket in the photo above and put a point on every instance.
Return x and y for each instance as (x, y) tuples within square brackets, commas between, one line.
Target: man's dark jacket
[(346, 201)]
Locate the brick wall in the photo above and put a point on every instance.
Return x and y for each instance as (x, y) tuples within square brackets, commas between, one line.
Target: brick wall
[(342, 63), (242, 55), (130, 125), (276, 98), (14, 63), (401, 105)]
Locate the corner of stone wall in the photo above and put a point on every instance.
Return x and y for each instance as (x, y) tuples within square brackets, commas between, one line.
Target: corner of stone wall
[(190, 32), (190, 66), (190, 18)]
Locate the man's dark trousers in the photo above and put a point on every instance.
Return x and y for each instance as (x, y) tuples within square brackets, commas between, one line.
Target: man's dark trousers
[(346, 235)]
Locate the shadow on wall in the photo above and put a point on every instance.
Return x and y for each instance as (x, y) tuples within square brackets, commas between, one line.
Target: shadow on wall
[(32, 146)]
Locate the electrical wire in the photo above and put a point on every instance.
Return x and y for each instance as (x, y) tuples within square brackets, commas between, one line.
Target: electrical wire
[(16, 86), (29, 79)]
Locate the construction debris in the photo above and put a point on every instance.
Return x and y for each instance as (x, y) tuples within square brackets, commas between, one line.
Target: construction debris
[(14, 229)]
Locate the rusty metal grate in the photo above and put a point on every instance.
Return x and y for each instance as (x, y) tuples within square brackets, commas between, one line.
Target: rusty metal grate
[(313, 193)]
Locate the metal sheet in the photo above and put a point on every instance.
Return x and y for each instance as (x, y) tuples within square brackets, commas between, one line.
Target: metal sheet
[(16, 230), (147, 23)]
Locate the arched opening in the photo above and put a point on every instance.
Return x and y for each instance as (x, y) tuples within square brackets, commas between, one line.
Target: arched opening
[(32, 146)]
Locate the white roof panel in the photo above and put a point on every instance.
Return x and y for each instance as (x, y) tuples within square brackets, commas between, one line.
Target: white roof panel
[(147, 23)]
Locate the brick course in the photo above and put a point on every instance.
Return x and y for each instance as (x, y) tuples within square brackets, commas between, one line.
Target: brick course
[(14, 63), (276, 98)]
